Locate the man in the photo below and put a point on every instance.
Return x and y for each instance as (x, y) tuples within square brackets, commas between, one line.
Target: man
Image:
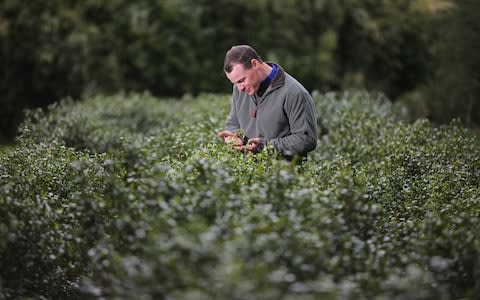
[(268, 105)]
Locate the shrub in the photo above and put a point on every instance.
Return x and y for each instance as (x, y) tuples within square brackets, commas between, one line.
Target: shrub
[(381, 209), (55, 203)]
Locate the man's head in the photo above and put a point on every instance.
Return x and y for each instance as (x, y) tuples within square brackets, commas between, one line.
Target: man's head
[(244, 68)]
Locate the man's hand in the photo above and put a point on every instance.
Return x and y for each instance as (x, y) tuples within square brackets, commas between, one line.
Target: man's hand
[(254, 145), (231, 139)]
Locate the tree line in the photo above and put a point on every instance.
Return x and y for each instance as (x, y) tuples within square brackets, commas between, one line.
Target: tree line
[(422, 53)]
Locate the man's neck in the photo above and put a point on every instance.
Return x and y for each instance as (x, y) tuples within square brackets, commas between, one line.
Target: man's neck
[(266, 69), (269, 73)]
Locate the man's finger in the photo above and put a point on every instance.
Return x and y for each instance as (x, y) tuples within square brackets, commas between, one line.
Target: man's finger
[(225, 133)]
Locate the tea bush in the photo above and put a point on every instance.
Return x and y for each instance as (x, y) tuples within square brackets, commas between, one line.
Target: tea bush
[(55, 204), (130, 197)]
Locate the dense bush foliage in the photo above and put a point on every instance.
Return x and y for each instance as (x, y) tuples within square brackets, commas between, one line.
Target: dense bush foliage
[(55, 48), (454, 89), (131, 197)]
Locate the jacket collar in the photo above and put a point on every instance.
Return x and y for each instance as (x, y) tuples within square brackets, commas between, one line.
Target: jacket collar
[(277, 81)]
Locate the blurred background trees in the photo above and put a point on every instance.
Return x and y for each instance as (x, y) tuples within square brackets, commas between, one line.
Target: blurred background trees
[(420, 52), (454, 89)]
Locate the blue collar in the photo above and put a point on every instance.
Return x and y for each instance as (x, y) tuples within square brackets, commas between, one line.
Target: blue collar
[(271, 75), (266, 82)]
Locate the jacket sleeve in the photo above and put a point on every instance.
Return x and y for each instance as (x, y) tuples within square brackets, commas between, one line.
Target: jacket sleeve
[(303, 126), (232, 123)]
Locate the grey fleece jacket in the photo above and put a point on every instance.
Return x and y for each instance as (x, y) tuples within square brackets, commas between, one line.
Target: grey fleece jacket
[(283, 116)]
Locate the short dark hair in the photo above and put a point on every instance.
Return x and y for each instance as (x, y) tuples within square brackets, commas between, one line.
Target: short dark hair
[(240, 54)]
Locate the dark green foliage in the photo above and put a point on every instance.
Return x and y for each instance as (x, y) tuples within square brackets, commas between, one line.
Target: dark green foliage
[(57, 49), (454, 89), (55, 203), (130, 197)]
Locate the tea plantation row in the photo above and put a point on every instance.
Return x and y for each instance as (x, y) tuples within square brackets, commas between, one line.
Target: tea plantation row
[(134, 198)]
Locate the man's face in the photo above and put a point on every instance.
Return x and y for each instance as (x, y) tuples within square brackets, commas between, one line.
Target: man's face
[(246, 80)]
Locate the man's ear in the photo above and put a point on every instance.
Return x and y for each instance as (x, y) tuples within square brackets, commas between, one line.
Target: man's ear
[(254, 63)]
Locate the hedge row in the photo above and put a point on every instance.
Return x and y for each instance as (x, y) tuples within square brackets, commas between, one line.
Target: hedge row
[(131, 197), (67, 48)]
